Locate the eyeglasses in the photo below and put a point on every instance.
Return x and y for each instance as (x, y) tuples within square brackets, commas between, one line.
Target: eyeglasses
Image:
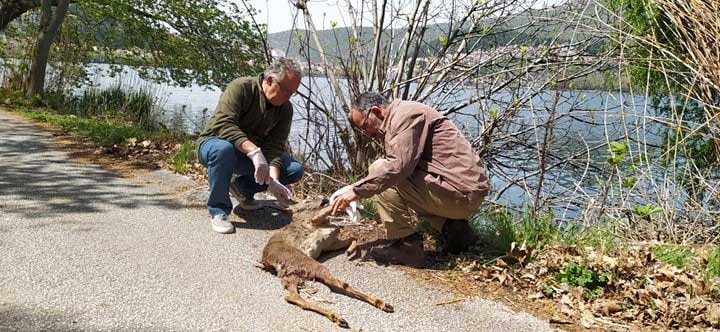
[(362, 124)]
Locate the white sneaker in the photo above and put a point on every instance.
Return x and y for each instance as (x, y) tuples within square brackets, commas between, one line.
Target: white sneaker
[(245, 203), (221, 224)]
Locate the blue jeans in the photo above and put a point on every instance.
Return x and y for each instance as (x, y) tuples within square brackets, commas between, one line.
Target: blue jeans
[(223, 160)]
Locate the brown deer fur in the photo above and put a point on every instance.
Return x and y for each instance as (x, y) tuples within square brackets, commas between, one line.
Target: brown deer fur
[(291, 251)]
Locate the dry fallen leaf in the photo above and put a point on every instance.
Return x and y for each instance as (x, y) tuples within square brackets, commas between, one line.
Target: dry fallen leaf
[(556, 319), (519, 254), (607, 307), (535, 296), (665, 273), (661, 305), (501, 263), (470, 267), (528, 276), (713, 315), (587, 320)]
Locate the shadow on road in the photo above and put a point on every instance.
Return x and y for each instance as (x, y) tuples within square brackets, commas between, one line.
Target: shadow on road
[(265, 218), (33, 172), (23, 318)]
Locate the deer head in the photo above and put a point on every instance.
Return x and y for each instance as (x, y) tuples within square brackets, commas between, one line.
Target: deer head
[(314, 211)]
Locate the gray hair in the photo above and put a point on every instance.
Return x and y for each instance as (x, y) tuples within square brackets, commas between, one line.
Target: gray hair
[(280, 66), (364, 101)]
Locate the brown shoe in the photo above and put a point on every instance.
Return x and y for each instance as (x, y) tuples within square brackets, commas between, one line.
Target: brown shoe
[(406, 251), (456, 236)]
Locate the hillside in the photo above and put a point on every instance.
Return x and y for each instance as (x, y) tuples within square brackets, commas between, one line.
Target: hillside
[(517, 30)]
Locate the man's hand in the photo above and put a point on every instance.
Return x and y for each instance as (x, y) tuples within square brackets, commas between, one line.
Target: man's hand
[(342, 198), (262, 170), (282, 193)]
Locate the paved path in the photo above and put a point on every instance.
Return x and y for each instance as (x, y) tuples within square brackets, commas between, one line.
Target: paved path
[(83, 249)]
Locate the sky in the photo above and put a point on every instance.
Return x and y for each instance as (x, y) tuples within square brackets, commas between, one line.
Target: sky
[(278, 14)]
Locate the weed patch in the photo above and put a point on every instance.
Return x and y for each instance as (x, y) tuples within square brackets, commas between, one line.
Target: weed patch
[(101, 132), (369, 209), (678, 256), (712, 269), (497, 230), (131, 106), (184, 156), (591, 281)]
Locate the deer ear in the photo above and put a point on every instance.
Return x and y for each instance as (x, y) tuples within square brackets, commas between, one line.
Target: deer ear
[(289, 212), (294, 207)]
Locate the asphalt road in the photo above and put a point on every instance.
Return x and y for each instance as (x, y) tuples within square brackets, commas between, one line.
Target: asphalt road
[(83, 249)]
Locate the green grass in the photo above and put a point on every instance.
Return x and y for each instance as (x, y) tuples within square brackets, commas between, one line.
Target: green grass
[(369, 209), (18, 98), (676, 255), (106, 117), (102, 132), (712, 269), (132, 106), (498, 229), (184, 156), (119, 105), (602, 236)]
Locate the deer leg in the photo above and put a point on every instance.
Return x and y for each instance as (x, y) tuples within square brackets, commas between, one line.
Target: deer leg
[(342, 287), (292, 284), (352, 249), (336, 244)]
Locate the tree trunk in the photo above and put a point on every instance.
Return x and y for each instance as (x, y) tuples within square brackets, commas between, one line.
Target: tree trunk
[(50, 22), (12, 9)]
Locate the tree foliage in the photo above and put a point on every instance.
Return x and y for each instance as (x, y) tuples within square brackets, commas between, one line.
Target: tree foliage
[(204, 42), (667, 44), (644, 18)]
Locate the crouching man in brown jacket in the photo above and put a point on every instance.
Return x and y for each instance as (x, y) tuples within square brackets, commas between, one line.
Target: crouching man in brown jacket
[(429, 171)]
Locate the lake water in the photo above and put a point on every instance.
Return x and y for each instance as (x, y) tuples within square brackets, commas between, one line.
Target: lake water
[(586, 121)]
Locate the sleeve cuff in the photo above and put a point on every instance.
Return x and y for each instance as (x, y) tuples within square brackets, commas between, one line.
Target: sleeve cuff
[(239, 142), (277, 162), (360, 191)]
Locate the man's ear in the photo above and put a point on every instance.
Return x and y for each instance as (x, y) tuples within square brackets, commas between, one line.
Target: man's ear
[(377, 110)]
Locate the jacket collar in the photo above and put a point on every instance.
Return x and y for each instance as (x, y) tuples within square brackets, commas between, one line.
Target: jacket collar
[(263, 101), (390, 112)]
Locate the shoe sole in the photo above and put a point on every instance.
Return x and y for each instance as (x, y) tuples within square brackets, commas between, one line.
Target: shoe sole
[(243, 207), (223, 230), (249, 208)]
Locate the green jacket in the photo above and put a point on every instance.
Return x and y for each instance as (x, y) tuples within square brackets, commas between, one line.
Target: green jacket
[(243, 114)]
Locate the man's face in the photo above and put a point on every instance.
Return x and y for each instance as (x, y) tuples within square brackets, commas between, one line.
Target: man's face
[(367, 123), (278, 92)]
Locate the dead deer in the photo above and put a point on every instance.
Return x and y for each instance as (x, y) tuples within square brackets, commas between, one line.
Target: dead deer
[(291, 252)]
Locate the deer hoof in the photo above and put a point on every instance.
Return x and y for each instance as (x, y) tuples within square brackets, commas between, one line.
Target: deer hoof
[(388, 308), (343, 323), (352, 249)]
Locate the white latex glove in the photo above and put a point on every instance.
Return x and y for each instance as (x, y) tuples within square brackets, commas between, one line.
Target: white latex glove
[(282, 193), (351, 209), (262, 170)]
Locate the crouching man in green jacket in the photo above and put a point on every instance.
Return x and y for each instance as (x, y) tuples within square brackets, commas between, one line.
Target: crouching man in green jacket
[(246, 136)]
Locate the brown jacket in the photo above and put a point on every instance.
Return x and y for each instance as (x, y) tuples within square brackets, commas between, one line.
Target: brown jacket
[(422, 144)]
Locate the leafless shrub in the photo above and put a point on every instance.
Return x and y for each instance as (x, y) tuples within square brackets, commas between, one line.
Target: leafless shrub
[(510, 75)]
